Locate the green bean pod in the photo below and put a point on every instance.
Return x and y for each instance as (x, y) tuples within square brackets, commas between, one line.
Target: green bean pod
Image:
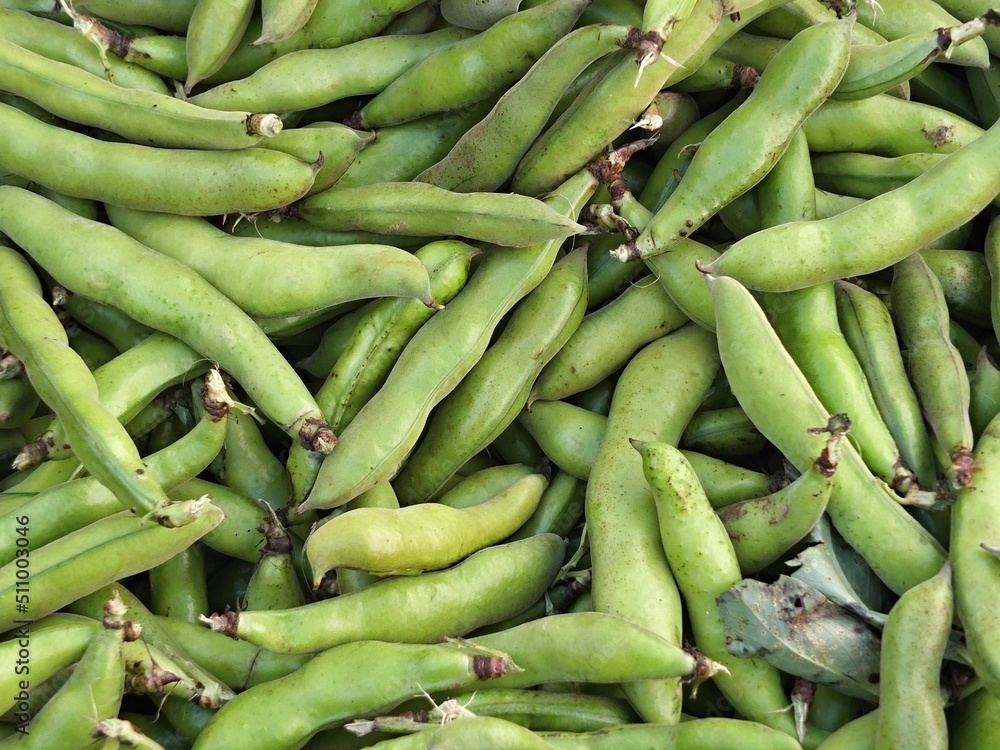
[(155, 633), (717, 733), (974, 525), (869, 332), (489, 61), (887, 126), (213, 33), (237, 663), (965, 281), (108, 549), (874, 69), (705, 565), (591, 647), (199, 183), (424, 210), (145, 117), (935, 367), (69, 506), (900, 552), (93, 350), (66, 45), (243, 351), (488, 399), (903, 17), (311, 78), (984, 394), (249, 467), (737, 155), (93, 692), (655, 397), (355, 678), (495, 583), (444, 350), (762, 529), (607, 338), (277, 279), (401, 152), (274, 583), (281, 18), (428, 536), (806, 322), (37, 651), (126, 385), (63, 381), (911, 712), (982, 85), (487, 155), (874, 235)]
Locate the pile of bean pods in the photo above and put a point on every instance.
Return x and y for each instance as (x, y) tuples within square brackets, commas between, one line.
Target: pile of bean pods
[(500, 374)]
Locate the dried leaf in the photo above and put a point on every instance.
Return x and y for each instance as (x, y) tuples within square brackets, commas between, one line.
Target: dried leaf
[(798, 630)]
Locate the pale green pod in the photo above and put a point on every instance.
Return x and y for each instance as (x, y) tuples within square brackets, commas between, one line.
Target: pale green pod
[(607, 338), (144, 117), (198, 183), (428, 536), (488, 399), (282, 18), (277, 279), (763, 528), (213, 33), (376, 443), (863, 509), (424, 210), (310, 78)]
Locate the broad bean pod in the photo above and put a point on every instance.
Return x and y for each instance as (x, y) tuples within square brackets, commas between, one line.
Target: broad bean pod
[(911, 710), (444, 350), (740, 151), (875, 234), (488, 399), (277, 279), (108, 549), (63, 381), (487, 155), (933, 362), (492, 584), (416, 208), (311, 78), (428, 536), (149, 293), (93, 692), (195, 183), (145, 117), (489, 61), (655, 397), (973, 525), (863, 510), (340, 683)]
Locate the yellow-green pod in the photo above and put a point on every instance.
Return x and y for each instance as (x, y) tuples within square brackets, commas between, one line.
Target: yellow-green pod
[(428, 536)]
